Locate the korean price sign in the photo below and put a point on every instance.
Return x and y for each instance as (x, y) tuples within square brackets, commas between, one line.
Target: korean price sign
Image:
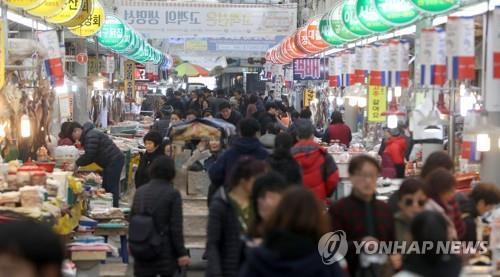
[(377, 103), (129, 79), (309, 69)]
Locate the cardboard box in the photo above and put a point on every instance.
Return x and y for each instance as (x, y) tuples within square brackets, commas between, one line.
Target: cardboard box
[(88, 255)]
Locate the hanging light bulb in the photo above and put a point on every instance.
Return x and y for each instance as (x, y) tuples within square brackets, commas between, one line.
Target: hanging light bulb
[(483, 142), (362, 102), (340, 101), (25, 126), (398, 92), (2, 130), (392, 121), (389, 95), (353, 101)]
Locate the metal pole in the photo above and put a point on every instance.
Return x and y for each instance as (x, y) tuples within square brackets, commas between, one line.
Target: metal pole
[(451, 128)]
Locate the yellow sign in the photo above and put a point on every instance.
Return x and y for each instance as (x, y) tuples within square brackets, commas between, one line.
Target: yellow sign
[(93, 66), (48, 8), (196, 45), (2, 54), (92, 24), (24, 4), (308, 97), (70, 10), (377, 103), (84, 13), (129, 79)]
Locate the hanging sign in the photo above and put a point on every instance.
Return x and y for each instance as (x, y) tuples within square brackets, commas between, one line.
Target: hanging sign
[(308, 97), (351, 20), (377, 103), (53, 64), (49, 8), (460, 48), (326, 31), (338, 26), (379, 74), (70, 11), (335, 71), (396, 12), (435, 6), (359, 74), (398, 62), (369, 18), (2, 54), (313, 34), (129, 79), (309, 69), (492, 96), (432, 57), (93, 66), (112, 31), (24, 4), (82, 15), (92, 24), (348, 59), (82, 58), (110, 64)]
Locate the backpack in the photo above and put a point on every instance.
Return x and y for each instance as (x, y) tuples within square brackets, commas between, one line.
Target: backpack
[(145, 241)]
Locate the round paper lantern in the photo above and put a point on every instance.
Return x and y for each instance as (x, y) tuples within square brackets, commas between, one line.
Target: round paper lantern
[(435, 6), (369, 18), (285, 55), (396, 12), (338, 27), (125, 41), (112, 32), (133, 46), (293, 49), (48, 8), (24, 4), (351, 20), (326, 31), (304, 44), (92, 24), (84, 13), (313, 34), (70, 11)]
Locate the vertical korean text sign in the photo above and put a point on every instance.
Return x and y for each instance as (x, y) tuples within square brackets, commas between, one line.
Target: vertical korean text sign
[(377, 103), (311, 69), (130, 79)]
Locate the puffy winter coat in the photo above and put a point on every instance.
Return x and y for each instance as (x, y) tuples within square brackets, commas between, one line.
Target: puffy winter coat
[(395, 148), (142, 173), (319, 170), (340, 132), (99, 148)]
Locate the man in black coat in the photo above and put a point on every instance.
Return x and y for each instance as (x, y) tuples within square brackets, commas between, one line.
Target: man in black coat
[(228, 114), (268, 117), (100, 149), (152, 142)]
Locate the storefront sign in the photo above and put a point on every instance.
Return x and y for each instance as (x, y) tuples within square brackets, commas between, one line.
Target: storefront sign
[(460, 48), (396, 12), (351, 20), (338, 26), (2, 54), (196, 45), (308, 97), (165, 19), (326, 31), (24, 4), (129, 79), (112, 32), (369, 18), (309, 69), (82, 15), (70, 11), (492, 95), (435, 6), (92, 24), (49, 8), (377, 103)]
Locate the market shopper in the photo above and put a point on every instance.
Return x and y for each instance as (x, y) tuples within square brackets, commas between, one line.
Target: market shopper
[(482, 199), (247, 145), (338, 130), (291, 238), (412, 200), (440, 187), (29, 249), (269, 117), (66, 136), (269, 137), (395, 150), (216, 147), (192, 115), (252, 106), (362, 217), (228, 114), (100, 149), (221, 98), (152, 143), (266, 195), (162, 123), (229, 219), (177, 103), (162, 203), (429, 229), (319, 170), (282, 161)]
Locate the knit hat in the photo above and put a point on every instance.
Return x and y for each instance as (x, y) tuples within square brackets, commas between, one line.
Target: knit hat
[(153, 136)]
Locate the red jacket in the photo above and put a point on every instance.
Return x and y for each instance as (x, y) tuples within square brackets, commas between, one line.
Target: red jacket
[(395, 148), (319, 170), (340, 132)]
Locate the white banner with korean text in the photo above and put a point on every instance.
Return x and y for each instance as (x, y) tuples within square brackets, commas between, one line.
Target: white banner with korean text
[(162, 20)]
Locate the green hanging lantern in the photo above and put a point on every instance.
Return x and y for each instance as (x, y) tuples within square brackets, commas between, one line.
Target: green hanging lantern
[(125, 42), (326, 31), (351, 20), (338, 27), (435, 6), (369, 18), (396, 12), (112, 32)]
